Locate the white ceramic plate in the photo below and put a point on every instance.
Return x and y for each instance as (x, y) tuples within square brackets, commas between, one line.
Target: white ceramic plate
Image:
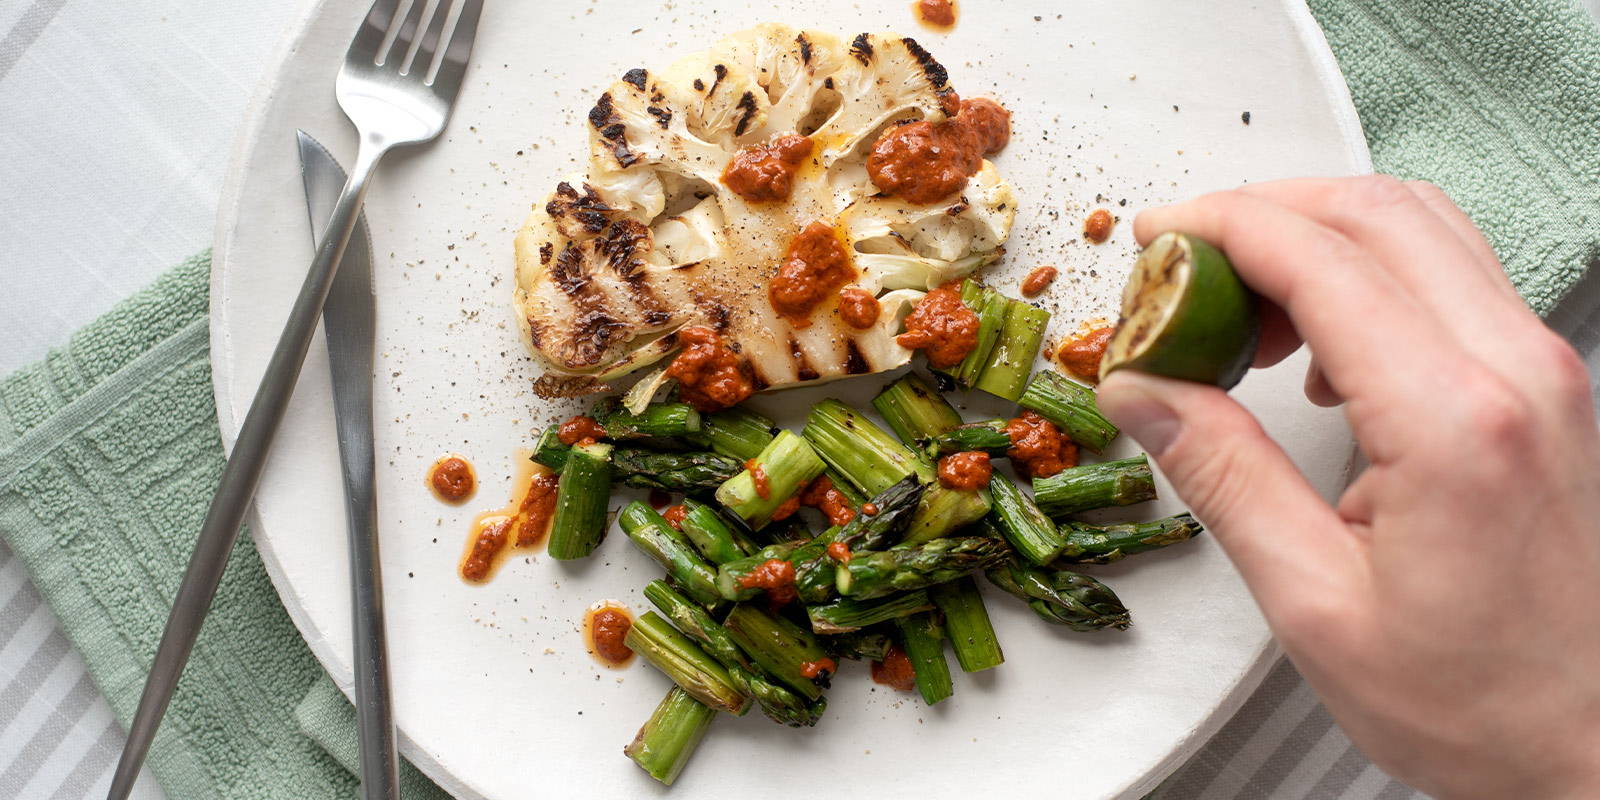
[(1124, 105)]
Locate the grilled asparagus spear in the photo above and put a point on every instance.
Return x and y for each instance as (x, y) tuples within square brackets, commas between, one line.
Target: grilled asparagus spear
[(1103, 544), (1061, 597)]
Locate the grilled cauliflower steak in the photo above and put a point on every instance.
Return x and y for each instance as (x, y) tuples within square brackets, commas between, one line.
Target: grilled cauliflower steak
[(651, 241)]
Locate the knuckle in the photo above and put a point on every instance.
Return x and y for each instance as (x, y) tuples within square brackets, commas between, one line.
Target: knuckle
[(1381, 191), (1562, 367), (1496, 414)]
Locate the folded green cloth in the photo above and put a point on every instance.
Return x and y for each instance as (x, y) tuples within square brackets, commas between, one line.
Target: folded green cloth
[(109, 453), (109, 447), (1496, 102)]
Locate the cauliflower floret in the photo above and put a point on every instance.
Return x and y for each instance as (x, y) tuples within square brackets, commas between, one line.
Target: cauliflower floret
[(614, 263)]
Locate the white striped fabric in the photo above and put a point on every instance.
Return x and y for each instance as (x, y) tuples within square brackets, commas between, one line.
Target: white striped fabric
[(117, 122)]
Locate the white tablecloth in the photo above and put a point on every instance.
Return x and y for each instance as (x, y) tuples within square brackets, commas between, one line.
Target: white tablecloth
[(116, 121)]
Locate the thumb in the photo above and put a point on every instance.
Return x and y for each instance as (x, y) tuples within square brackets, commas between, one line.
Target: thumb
[(1284, 538)]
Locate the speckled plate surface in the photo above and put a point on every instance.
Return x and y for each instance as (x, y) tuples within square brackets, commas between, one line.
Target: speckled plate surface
[(1122, 105)]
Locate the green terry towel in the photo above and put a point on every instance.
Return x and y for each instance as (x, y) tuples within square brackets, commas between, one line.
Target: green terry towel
[(1497, 102), (109, 447), (108, 455)]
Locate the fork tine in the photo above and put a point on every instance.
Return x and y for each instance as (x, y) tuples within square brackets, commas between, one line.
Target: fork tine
[(370, 37), (454, 63), (407, 34), (423, 63)]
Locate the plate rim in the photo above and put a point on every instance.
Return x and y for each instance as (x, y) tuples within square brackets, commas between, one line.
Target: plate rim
[(252, 133)]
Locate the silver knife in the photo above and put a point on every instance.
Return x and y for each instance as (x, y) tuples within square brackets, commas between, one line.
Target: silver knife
[(349, 323)]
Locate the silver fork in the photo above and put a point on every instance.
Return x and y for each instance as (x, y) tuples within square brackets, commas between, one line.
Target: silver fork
[(399, 80)]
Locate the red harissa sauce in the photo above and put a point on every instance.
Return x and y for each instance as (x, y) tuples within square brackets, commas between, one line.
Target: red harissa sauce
[(674, 516), (758, 477), (1081, 356), (814, 669), (776, 577), (1038, 280), (605, 626), (895, 670), (858, 308), (521, 523), (764, 173), (936, 13), (452, 478), (968, 470), (1038, 449), (823, 496), (580, 430), (815, 266), (924, 162), (942, 326), (710, 376), (1097, 226)]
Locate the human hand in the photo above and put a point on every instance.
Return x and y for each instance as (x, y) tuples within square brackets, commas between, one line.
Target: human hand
[(1447, 609)]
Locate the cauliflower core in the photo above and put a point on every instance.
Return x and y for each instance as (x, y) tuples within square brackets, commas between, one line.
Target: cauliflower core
[(652, 240)]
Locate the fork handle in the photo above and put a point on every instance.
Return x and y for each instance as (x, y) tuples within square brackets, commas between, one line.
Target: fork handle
[(220, 530)]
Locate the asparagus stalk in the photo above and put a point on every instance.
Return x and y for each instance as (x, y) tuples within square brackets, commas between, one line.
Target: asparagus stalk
[(1062, 597), (1027, 528), (815, 566), (923, 639), (584, 490), (657, 421), (718, 541), (988, 436), (777, 702), (688, 471), (738, 432), (549, 450), (990, 306), (859, 645), (876, 574), (788, 463), (944, 510), (866, 455), (849, 614), (685, 662), (652, 534), (1004, 374), (787, 652), (914, 409), (663, 746), (731, 574), (1091, 486), (966, 621), (1071, 407), (1103, 544)]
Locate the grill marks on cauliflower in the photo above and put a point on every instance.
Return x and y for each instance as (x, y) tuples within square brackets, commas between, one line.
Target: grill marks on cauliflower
[(651, 241)]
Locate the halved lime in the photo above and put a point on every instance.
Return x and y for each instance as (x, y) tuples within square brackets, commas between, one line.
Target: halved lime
[(1185, 314)]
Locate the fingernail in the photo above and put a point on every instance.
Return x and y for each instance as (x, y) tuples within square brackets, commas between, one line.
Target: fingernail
[(1128, 401)]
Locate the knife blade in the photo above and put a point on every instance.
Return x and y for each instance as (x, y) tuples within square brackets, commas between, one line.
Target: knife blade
[(349, 321)]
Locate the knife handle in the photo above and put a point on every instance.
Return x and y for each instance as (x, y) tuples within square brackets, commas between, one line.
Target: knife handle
[(220, 530)]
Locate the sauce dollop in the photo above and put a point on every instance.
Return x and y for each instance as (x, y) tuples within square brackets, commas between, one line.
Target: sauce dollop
[(521, 523), (758, 476), (936, 13), (822, 495), (580, 429), (858, 308), (674, 516), (839, 551), (1038, 280), (895, 670), (1081, 356), (924, 162), (764, 173), (452, 479), (776, 577), (815, 669), (1038, 449), (815, 266), (786, 509), (942, 326), (605, 626), (966, 470), (1097, 226), (710, 376)]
